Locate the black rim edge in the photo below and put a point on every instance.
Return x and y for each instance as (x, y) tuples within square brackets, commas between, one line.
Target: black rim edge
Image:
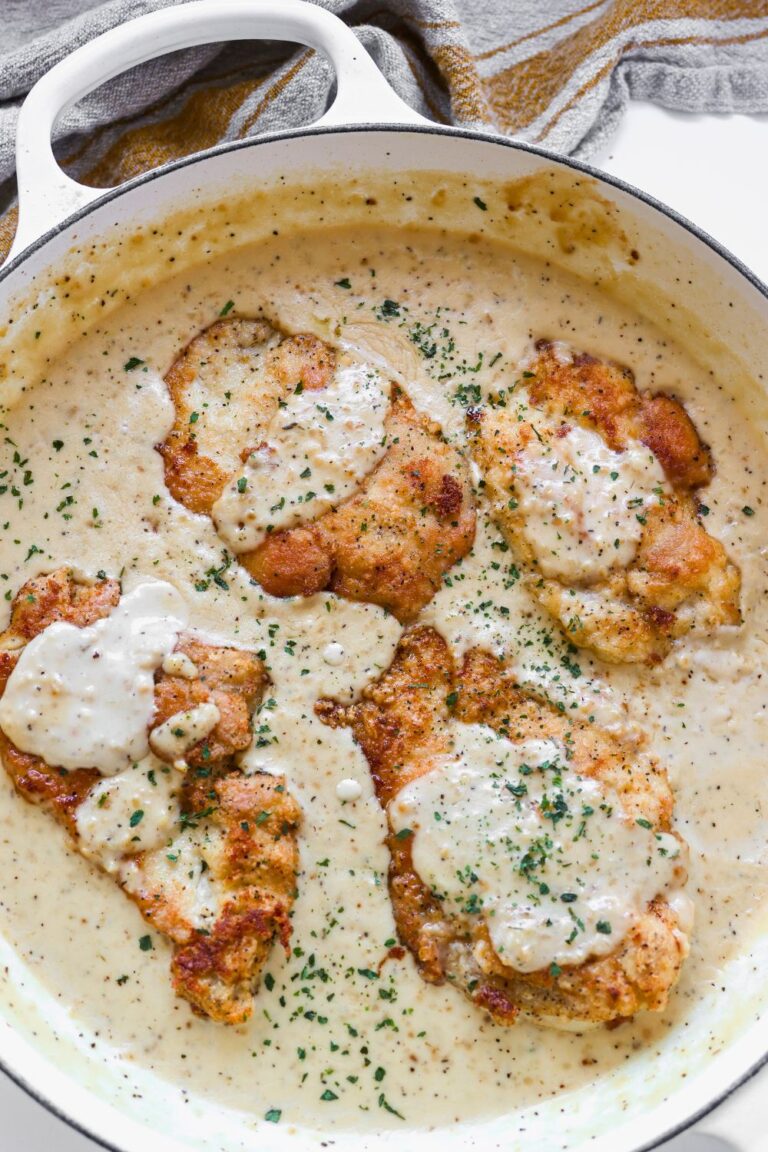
[(36, 1095), (428, 130)]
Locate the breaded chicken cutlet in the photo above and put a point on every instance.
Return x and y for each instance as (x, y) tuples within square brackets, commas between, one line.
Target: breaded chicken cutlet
[(250, 404), (593, 484), (408, 724), (220, 884)]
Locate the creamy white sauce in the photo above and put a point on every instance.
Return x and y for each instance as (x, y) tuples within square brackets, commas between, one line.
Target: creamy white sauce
[(134, 811), (84, 697), (549, 858), (317, 448), (172, 739), (584, 504), (71, 935)]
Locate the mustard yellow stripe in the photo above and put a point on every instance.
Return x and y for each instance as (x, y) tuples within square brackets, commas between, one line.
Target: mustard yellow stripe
[(201, 123), (434, 25), (660, 43), (93, 137), (539, 31), (7, 230), (271, 95), (468, 97), (432, 108), (522, 93)]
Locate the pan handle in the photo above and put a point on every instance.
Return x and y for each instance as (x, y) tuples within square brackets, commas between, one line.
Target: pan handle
[(47, 195)]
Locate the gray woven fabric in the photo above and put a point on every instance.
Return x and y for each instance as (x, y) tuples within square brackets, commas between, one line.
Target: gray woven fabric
[(559, 73)]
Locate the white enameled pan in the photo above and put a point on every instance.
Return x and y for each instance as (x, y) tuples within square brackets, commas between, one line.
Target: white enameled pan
[(367, 127)]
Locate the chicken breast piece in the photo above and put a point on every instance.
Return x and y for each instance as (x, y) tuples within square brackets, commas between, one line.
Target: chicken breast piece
[(386, 540), (405, 723), (214, 870), (593, 484)]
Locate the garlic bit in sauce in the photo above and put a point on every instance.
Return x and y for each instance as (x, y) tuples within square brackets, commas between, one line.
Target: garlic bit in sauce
[(179, 664), (550, 858), (349, 790)]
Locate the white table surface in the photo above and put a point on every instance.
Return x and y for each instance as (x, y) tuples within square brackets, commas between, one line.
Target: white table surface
[(672, 156)]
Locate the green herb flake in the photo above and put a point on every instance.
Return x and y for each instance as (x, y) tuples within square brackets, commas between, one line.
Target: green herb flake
[(388, 1107)]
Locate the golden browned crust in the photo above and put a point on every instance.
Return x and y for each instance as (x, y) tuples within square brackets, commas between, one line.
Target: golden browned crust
[(251, 851), (681, 577), (400, 724), (248, 822), (57, 597), (391, 542), (38, 603), (604, 396)]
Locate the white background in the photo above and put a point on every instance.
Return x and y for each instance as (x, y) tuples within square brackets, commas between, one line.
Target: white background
[(713, 170)]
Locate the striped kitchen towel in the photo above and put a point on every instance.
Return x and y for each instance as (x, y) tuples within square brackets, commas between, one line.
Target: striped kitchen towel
[(556, 72)]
